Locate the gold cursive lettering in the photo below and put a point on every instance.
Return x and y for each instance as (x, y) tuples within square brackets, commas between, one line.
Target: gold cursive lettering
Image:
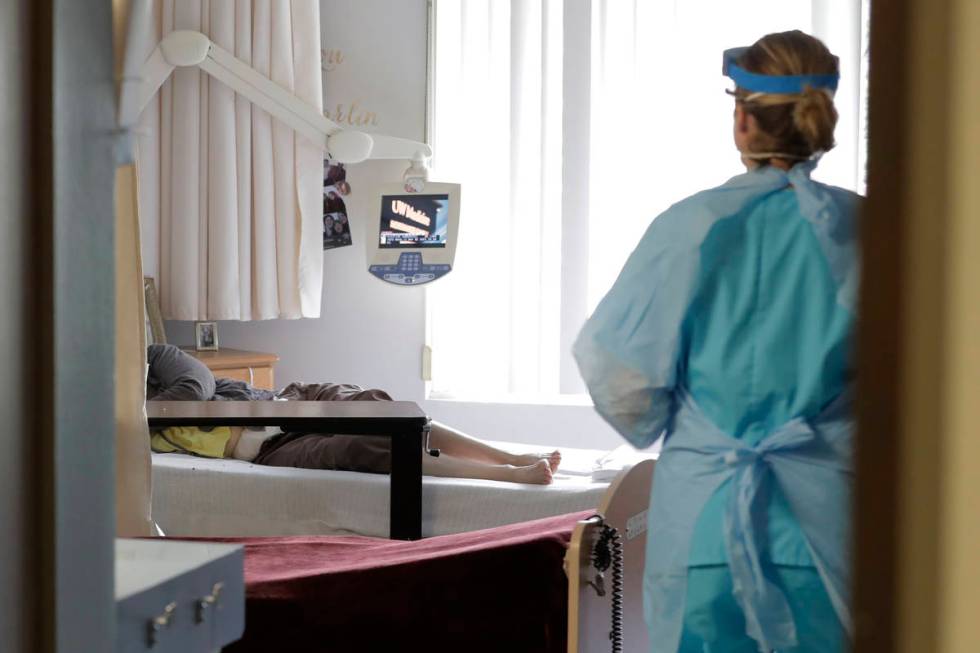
[(331, 59), (353, 115)]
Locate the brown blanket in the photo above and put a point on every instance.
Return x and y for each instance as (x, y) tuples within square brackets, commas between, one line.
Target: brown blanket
[(358, 453)]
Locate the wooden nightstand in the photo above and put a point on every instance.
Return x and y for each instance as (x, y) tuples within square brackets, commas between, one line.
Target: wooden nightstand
[(253, 367)]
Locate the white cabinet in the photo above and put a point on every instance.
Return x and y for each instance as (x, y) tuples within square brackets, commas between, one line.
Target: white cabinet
[(178, 596)]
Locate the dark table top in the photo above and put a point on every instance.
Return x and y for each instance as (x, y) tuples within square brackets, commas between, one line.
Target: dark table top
[(355, 417)]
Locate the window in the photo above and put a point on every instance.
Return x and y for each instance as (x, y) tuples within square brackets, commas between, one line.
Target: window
[(571, 124)]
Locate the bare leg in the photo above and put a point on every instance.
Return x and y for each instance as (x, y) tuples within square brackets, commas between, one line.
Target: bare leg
[(459, 445), (539, 473)]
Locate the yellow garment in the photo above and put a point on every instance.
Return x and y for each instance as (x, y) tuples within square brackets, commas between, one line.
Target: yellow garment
[(192, 440)]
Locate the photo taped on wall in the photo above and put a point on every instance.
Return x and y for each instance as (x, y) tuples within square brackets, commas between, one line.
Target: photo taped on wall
[(336, 223)]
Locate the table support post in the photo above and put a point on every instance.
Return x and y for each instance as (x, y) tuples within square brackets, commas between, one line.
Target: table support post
[(406, 485)]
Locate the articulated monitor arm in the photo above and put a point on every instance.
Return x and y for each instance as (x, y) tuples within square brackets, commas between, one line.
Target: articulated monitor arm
[(189, 48)]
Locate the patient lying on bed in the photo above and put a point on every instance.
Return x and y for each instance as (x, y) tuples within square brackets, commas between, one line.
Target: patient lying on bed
[(177, 376)]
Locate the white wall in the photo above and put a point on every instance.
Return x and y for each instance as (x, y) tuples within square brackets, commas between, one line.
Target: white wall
[(372, 333)]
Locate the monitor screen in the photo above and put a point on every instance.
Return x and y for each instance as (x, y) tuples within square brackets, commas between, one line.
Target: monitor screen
[(410, 221)]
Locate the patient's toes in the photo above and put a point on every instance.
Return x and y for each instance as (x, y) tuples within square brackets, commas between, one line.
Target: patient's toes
[(554, 460), (522, 460), (539, 473)]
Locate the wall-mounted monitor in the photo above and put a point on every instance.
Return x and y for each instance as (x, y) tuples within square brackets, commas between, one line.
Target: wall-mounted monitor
[(415, 241)]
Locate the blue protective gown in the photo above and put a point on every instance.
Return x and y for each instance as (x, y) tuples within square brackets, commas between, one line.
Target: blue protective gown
[(728, 331)]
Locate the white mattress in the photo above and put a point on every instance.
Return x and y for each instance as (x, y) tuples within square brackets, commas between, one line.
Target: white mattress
[(212, 498)]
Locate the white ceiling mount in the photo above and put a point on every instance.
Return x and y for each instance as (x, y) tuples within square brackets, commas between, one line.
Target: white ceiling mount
[(349, 146), (187, 48)]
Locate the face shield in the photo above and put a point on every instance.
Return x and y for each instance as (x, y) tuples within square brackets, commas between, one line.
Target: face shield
[(774, 84)]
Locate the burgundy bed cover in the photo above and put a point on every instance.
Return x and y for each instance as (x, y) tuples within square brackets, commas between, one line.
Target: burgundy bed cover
[(499, 589)]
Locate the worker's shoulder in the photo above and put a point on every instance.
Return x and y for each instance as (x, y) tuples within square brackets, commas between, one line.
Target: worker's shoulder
[(689, 220), (842, 195), (847, 203)]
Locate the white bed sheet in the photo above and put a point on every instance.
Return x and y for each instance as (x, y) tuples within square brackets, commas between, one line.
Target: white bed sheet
[(213, 498)]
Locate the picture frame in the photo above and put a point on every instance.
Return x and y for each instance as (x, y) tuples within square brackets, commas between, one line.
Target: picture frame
[(155, 334), (206, 336)]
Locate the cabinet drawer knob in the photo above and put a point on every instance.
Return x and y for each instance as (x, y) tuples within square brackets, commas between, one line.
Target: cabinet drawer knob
[(160, 622), (206, 602)]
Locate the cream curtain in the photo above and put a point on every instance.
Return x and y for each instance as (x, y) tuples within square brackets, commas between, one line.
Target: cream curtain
[(239, 194)]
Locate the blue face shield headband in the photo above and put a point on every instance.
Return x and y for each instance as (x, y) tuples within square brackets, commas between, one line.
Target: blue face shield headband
[(778, 84)]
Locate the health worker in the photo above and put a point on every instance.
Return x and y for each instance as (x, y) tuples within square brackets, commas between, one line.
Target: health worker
[(729, 331)]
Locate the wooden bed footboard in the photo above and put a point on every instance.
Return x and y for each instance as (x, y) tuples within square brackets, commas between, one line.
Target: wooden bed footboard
[(590, 598)]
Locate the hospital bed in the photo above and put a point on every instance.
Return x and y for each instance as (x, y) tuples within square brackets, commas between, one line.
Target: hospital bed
[(201, 497), (403, 422), (194, 496)]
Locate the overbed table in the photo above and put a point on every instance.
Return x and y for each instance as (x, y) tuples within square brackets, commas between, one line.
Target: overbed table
[(402, 421)]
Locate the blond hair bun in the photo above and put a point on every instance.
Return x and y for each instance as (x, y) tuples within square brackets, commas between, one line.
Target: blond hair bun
[(796, 125), (815, 117)]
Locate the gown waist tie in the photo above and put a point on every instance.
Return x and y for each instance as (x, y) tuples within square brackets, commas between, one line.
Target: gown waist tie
[(808, 458), (768, 617)]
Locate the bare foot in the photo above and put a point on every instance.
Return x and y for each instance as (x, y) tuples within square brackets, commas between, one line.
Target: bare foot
[(539, 473), (553, 459)]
